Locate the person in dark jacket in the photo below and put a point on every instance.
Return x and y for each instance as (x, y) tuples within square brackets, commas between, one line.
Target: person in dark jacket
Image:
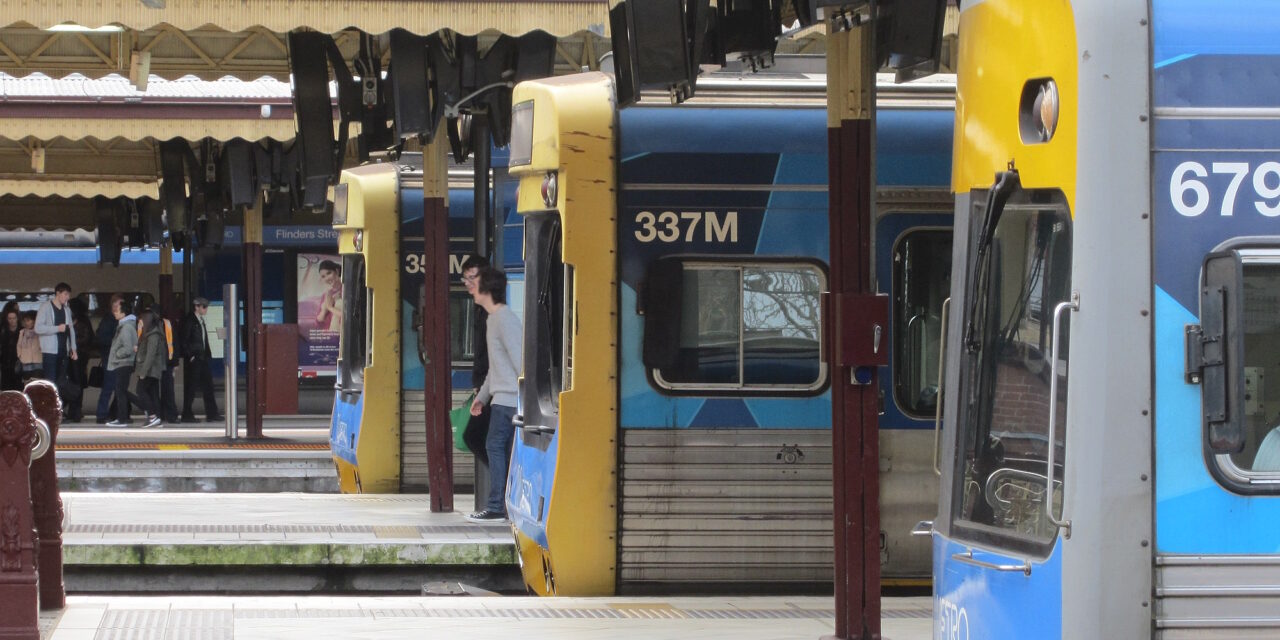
[(477, 430), (196, 362), (149, 366), (107, 331), (167, 402), (10, 366)]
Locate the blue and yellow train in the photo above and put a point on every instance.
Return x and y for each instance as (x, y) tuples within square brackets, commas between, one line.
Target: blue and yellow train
[(1110, 456), (676, 416), (379, 439)]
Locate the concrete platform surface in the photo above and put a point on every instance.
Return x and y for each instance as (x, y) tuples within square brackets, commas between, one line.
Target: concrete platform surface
[(465, 618), (195, 538)]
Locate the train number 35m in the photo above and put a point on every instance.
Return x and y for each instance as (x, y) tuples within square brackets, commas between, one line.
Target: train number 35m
[(670, 226)]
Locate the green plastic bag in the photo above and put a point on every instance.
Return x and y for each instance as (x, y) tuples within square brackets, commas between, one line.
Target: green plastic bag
[(459, 418)]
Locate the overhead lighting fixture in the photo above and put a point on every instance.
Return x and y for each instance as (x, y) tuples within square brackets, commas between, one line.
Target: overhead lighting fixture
[(70, 27)]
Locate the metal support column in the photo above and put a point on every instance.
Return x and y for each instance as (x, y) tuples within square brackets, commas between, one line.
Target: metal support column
[(435, 324), (166, 279), (855, 435), (255, 360), (485, 231)]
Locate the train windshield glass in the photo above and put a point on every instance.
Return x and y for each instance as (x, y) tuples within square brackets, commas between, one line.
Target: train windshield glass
[(1261, 324), (746, 326), (1013, 289), (921, 282), (353, 351)]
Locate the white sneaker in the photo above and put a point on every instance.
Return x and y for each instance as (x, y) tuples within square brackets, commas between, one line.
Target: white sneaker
[(117, 423), (153, 421)]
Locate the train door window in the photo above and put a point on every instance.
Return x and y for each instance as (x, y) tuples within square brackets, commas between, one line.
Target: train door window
[(749, 327), (545, 302), (462, 327), (1019, 273), (354, 352), (1239, 348), (921, 282)]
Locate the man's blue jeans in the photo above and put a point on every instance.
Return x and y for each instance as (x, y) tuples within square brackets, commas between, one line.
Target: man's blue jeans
[(108, 390), (55, 367), (498, 446)]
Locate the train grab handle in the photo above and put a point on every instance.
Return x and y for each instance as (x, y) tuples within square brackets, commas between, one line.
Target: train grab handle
[(967, 558), (1064, 523), (942, 372)]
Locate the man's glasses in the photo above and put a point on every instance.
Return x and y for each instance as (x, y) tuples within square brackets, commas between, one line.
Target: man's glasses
[(471, 278)]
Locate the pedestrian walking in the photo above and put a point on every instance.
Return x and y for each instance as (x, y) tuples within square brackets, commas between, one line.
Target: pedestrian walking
[(10, 366), (149, 366), (106, 332), (477, 431), (120, 359), (504, 338), (168, 404), (196, 363)]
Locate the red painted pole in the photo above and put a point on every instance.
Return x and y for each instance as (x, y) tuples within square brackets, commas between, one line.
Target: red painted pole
[(19, 603), (438, 394), (254, 345), (46, 499), (854, 411)]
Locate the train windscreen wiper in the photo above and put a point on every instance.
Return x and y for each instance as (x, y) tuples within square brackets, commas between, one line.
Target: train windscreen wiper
[(1007, 182)]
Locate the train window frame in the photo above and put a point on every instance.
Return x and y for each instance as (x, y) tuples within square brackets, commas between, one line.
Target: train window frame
[(976, 356), (659, 333), (355, 289), (545, 308), (899, 326), (1223, 374)]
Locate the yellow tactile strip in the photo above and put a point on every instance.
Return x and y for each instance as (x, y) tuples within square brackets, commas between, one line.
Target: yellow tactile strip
[(171, 446)]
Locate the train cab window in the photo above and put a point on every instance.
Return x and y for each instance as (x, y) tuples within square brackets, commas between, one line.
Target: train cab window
[(749, 327), (462, 327), (353, 351), (921, 281), (548, 334), (1018, 274), (1232, 353)]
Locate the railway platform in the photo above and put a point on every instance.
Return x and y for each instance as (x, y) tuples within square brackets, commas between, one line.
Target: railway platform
[(198, 457), (472, 618), (278, 542)]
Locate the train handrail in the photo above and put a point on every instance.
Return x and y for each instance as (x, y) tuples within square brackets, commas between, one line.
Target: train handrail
[(1064, 523), (967, 558), (942, 372)]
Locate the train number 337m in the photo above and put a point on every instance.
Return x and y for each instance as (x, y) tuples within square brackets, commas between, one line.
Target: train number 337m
[(1191, 196), (670, 226)]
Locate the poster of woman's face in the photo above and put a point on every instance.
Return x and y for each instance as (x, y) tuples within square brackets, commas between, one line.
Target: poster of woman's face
[(319, 311)]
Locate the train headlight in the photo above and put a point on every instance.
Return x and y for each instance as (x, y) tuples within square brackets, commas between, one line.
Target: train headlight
[(549, 194), (357, 240), (1047, 114), (1038, 111)]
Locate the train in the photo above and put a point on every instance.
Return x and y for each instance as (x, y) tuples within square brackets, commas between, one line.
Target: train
[(674, 432), (378, 440), (1108, 449)]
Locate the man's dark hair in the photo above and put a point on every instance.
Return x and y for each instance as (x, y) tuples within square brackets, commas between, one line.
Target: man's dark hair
[(493, 282), (474, 262), (329, 265), (62, 286)]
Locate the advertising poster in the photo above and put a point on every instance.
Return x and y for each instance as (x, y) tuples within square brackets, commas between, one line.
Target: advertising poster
[(319, 313)]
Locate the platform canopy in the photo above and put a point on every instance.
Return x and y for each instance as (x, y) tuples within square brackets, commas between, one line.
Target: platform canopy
[(247, 38)]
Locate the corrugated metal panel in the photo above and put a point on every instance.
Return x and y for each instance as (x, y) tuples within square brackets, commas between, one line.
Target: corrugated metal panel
[(725, 506), (69, 188), (413, 448), (514, 17), (1217, 597)]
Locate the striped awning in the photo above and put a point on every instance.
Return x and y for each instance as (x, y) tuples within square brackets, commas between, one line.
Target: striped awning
[(512, 17), (85, 188)]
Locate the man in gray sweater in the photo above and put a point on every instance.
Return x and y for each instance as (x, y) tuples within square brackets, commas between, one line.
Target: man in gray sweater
[(504, 338)]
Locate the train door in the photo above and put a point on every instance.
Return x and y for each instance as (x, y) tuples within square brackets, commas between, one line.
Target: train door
[(997, 553), (916, 265)]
